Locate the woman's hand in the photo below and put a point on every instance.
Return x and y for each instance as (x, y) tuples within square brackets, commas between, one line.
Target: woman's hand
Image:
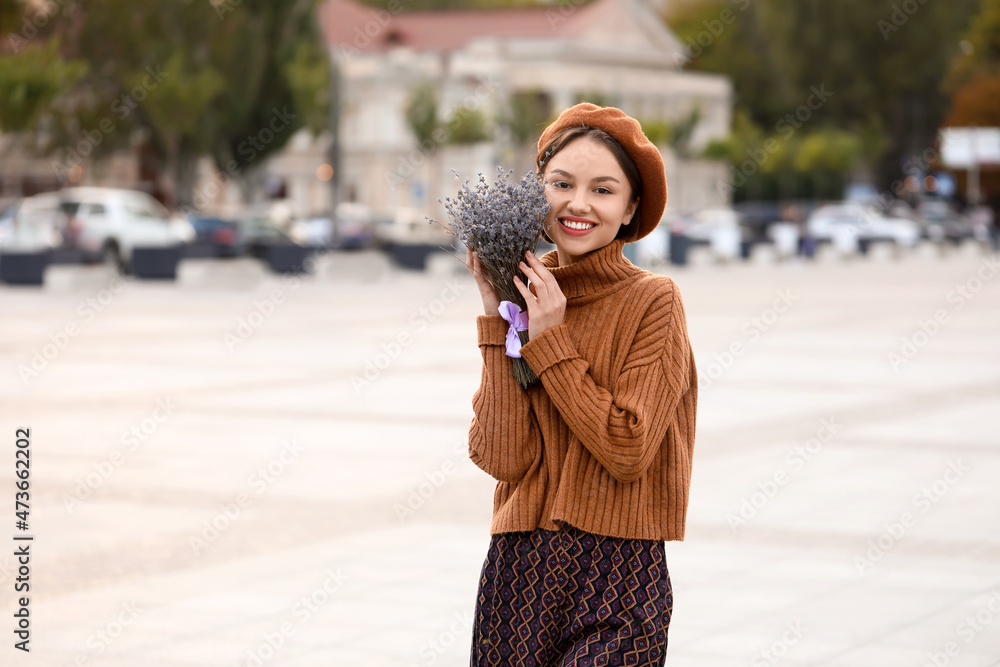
[(491, 303), (546, 302)]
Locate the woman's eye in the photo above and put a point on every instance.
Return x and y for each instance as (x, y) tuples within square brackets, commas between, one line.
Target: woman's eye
[(560, 184), (603, 191)]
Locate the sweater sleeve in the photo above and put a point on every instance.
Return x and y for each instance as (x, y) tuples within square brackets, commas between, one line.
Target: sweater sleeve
[(623, 426), (504, 438)]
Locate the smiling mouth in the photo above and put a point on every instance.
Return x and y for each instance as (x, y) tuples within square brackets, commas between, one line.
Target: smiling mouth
[(575, 225)]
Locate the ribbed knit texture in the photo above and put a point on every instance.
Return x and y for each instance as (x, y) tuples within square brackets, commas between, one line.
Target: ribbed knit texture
[(605, 440)]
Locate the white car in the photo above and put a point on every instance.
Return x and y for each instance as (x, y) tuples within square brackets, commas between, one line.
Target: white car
[(718, 227), (31, 226), (316, 231), (704, 224), (106, 223), (405, 226), (7, 211), (829, 223)]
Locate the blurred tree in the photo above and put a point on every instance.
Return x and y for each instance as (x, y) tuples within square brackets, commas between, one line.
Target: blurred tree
[(676, 134), (523, 116), (828, 150), (31, 80), (308, 77), (175, 112), (719, 36), (977, 102), (806, 164), (599, 97), (526, 115), (681, 132), (974, 77), (421, 5), (657, 131), (468, 125), (876, 66), (233, 79), (980, 47), (10, 14), (422, 115)]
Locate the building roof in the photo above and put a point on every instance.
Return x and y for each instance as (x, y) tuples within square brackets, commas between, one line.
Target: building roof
[(350, 25)]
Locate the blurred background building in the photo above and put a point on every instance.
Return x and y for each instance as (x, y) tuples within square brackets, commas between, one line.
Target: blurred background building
[(497, 77), (351, 116)]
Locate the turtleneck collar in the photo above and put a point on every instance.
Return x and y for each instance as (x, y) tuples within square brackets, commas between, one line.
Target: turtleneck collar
[(596, 272)]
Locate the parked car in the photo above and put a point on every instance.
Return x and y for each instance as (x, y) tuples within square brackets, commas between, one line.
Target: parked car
[(355, 226), (758, 216), (865, 194), (938, 222), (277, 213), (700, 225), (407, 226), (7, 210), (409, 238), (104, 224), (315, 232), (720, 228), (258, 232), (223, 236), (35, 224), (864, 223)]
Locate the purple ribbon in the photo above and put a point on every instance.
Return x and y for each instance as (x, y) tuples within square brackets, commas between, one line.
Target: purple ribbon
[(511, 312)]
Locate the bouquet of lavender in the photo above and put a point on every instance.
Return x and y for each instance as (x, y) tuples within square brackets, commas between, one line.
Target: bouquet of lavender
[(501, 222)]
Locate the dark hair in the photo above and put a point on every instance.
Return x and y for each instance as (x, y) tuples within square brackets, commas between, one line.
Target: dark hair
[(625, 161)]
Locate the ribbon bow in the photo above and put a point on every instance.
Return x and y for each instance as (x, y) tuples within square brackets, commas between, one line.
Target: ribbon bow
[(511, 312)]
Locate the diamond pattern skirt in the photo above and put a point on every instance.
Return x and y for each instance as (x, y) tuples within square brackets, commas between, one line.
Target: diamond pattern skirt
[(569, 597)]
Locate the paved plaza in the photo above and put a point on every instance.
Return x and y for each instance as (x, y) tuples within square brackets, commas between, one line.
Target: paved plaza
[(243, 469)]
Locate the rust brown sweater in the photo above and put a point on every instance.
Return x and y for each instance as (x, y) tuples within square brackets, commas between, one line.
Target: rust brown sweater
[(604, 442)]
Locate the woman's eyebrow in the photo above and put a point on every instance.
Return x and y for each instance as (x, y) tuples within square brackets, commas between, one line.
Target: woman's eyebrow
[(599, 179)]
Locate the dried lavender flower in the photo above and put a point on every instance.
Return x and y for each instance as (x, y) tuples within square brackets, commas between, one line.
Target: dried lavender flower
[(501, 222)]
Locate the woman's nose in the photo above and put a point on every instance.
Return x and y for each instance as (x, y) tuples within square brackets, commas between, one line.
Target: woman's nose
[(579, 203)]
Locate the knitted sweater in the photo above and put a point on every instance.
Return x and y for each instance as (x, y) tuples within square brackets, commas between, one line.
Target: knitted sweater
[(604, 442)]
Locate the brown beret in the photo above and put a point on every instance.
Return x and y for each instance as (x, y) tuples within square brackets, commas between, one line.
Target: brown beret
[(627, 131)]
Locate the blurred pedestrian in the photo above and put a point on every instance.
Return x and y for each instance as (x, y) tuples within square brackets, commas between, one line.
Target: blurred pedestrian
[(593, 463), (795, 214)]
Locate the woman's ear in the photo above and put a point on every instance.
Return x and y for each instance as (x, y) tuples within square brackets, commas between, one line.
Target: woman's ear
[(630, 211), (546, 236)]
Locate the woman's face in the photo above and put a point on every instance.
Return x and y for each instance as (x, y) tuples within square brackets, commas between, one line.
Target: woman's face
[(590, 197)]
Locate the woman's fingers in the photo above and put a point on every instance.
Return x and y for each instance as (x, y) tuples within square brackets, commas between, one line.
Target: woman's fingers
[(529, 298), (540, 269), (475, 267), (536, 281)]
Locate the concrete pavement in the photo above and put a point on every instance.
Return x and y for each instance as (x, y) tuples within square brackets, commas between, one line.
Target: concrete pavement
[(244, 469)]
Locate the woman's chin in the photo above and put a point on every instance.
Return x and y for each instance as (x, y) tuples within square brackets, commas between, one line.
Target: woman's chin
[(577, 244)]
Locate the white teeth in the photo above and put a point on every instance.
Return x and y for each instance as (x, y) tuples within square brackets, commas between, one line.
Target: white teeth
[(576, 225)]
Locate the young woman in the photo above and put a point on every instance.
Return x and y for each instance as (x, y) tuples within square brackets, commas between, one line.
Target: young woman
[(593, 463)]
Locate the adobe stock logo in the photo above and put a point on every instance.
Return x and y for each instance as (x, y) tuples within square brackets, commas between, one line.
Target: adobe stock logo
[(900, 15), (796, 458), (752, 330), (694, 47), (419, 321), (254, 143), (922, 501)]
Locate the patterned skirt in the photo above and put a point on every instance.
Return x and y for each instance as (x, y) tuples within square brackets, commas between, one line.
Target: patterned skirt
[(571, 598)]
